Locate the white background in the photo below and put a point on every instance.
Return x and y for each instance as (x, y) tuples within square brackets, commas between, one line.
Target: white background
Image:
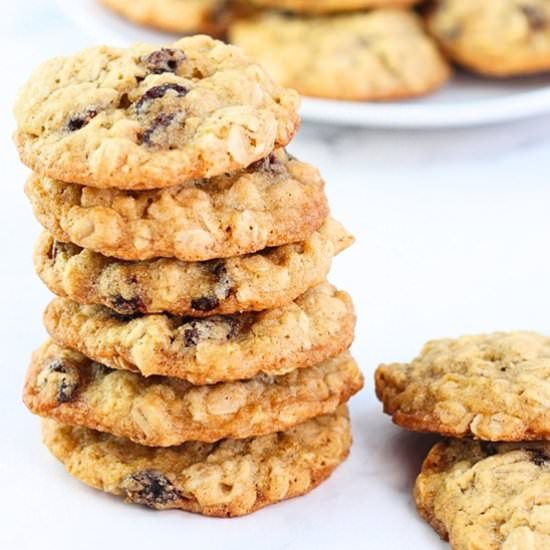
[(453, 231)]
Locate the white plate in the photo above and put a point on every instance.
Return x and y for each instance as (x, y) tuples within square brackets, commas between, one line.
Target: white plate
[(467, 100)]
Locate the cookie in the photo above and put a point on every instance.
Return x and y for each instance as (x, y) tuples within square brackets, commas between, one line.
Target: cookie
[(315, 327), (491, 386), (179, 16), (232, 477), (378, 55), (493, 37), (276, 201), (160, 411), (327, 6), (145, 118), (264, 280), (487, 496)]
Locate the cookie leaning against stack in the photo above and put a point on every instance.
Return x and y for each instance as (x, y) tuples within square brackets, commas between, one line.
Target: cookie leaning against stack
[(198, 357), (494, 492)]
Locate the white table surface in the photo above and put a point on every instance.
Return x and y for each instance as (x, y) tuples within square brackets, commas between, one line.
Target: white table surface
[(453, 232)]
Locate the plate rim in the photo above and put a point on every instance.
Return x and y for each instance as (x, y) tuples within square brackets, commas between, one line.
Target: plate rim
[(437, 115)]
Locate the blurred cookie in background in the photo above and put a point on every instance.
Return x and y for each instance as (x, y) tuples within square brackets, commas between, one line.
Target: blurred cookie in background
[(492, 37), (377, 55), (178, 16), (327, 6)]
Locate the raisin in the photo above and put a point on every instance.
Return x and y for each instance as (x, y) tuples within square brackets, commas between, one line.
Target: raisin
[(535, 17), (99, 369), (66, 392), (151, 488), (214, 328), (57, 366), (224, 286), (217, 268), (165, 60), (191, 336), (205, 303), (235, 325), (124, 102), (62, 376), (160, 121), (77, 122), (157, 92), (539, 457), (488, 448), (127, 306), (271, 163)]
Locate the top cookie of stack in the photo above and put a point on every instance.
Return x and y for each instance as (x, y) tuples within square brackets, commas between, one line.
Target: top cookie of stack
[(143, 118)]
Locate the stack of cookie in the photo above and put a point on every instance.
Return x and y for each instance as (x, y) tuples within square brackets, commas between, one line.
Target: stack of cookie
[(488, 485), (198, 356)]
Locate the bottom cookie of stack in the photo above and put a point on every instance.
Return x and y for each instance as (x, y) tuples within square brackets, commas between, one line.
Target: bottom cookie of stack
[(232, 477)]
